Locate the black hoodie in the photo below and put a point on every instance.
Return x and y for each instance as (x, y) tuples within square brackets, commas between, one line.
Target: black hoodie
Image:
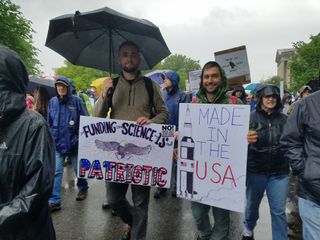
[(266, 156), (26, 158)]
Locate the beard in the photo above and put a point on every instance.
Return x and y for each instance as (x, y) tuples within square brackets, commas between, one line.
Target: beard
[(210, 91), (130, 70)]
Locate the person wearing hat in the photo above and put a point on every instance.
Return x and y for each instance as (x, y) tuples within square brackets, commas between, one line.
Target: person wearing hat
[(64, 112), (239, 92), (303, 92), (267, 169)]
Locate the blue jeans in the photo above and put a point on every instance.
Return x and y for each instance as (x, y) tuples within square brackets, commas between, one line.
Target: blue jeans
[(220, 230), (56, 191), (277, 189), (309, 213)]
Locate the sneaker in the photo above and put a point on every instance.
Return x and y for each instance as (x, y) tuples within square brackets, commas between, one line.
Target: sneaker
[(127, 233), (54, 207), (82, 195), (247, 237)]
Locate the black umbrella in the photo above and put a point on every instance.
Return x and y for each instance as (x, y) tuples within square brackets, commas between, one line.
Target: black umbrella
[(34, 82), (92, 39)]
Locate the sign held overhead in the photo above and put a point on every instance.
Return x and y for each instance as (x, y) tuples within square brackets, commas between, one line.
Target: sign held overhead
[(234, 62)]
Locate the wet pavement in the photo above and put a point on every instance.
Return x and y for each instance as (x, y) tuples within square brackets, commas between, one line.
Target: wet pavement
[(169, 218)]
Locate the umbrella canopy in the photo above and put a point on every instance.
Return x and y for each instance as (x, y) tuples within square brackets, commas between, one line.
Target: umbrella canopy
[(34, 82), (253, 86), (92, 39), (156, 75)]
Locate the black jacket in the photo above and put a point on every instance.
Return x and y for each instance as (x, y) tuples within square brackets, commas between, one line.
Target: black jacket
[(266, 156), (26, 159), (301, 136)]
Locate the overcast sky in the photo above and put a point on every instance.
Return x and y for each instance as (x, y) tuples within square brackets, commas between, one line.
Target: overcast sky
[(197, 28)]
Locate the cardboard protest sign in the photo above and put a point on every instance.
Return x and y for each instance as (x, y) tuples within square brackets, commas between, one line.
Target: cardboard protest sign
[(123, 152), (213, 154), (194, 80), (234, 62)]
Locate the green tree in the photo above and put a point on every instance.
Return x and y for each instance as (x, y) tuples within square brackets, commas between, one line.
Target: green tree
[(181, 64), (273, 80), (305, 64), (82, 76), (16, 33)]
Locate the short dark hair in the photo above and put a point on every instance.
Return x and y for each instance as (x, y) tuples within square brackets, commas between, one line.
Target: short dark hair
[(211, 64), (208, 65), (129, 44)]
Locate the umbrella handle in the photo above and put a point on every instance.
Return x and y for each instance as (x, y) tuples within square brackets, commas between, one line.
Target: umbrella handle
[(109, 96)]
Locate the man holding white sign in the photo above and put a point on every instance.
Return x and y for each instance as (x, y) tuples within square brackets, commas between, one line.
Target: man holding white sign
[(195, 183), (130, 101)]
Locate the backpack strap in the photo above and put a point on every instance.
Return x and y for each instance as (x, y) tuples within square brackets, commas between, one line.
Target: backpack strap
[(111, 91), (149, 87), (147, 83)]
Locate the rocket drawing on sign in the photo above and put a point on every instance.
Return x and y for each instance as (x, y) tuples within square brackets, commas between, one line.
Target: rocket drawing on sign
[(187, 158), (232, 65), (123, 150)]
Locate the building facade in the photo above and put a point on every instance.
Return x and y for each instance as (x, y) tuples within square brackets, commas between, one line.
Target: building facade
[(282, 58)]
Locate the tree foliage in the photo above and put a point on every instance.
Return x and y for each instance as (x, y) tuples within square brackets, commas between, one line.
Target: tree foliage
[(275, 80), (82, 76), (305, 64), (16, 33), (181, 64)]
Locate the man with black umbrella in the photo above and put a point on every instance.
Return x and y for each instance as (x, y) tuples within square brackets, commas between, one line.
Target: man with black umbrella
[(130, 101)]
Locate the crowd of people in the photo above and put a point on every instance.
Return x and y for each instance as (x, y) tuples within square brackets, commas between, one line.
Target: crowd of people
[(37, 135)]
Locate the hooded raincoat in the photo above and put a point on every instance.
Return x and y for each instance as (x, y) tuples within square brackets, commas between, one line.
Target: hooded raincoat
[(26, 158), (243, 97), (173, 96), (220, 93), (266, 156), (64, 118)]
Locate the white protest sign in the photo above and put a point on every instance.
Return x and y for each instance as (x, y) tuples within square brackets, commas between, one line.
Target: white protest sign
[(234, 62), (213, 154), (194, 79), (123, 152)]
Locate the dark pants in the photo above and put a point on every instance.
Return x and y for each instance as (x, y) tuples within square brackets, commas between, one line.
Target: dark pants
[(136, 215), (220, 229)]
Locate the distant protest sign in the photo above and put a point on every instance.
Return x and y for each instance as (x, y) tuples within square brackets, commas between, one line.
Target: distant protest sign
[(213, 154), (234, 62), (194, 80), (123, 152)]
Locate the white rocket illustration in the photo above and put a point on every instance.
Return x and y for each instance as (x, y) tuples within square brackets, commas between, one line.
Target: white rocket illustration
[(187, 158)]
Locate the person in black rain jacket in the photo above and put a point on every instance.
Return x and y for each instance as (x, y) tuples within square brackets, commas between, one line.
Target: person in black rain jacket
[(26, 158)]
